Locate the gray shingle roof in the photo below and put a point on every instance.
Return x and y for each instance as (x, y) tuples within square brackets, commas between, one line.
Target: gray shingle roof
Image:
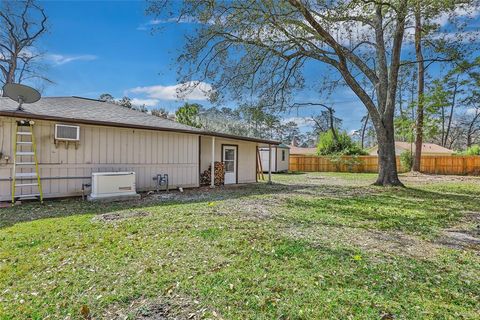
[(92, 110), (83, 110)]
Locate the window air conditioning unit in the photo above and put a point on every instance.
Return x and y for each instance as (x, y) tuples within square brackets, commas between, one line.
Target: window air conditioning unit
[(113, 185), (65, 132)]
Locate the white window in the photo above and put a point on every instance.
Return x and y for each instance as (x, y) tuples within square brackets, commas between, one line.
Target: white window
[(67, 132)]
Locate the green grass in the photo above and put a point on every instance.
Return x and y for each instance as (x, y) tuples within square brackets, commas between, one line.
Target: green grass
[(241, 265), (412, 210)]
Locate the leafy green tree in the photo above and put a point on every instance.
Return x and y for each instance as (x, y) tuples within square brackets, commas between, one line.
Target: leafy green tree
[(342, 145), (473, 150), (289, 132), (271, 122), (406, 159), (433, 45), (188, 114), (261, 48)]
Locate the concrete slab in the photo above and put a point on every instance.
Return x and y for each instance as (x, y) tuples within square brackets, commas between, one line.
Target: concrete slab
[(115, 198)]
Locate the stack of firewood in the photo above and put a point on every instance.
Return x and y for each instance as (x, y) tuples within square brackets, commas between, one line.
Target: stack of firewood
[(219, 175)]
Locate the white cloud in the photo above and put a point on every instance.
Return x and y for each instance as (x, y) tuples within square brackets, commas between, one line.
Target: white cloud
[(146, 102), (462, 11), (471, 111), (193, 90), (154, 22), (302, 122), (59, 59)]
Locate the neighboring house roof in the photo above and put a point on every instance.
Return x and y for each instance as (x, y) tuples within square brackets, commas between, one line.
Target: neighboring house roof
[(427, 148), (299, 150), (90, 111)]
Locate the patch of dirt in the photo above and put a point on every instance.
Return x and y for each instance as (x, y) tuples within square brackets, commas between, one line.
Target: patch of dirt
[(465, 235), (327, 186), (250, 208), (120, 215), (422, 178), (369, 240), (173, 307), (201, 193), (460, 239)]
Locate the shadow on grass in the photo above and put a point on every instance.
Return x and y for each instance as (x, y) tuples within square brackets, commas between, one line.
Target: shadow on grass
[(296, 173), (412, 210), (53, 208), (405, 209)]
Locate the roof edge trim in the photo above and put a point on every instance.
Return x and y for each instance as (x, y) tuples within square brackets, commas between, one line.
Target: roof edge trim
[(132, 126)]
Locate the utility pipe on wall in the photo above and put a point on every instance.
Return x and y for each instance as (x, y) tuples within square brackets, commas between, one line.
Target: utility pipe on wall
[(270, 164), (212, 173)]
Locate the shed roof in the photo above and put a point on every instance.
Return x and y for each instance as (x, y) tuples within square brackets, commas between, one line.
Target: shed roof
[(91, 111)]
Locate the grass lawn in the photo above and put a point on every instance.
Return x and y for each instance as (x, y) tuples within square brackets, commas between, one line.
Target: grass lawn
[(311, 246)]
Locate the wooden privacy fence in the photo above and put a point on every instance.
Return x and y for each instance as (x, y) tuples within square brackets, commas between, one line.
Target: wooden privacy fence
[(461, 165)]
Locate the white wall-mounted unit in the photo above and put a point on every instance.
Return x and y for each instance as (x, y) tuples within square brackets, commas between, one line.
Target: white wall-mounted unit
[(66, 132), (113, 185)]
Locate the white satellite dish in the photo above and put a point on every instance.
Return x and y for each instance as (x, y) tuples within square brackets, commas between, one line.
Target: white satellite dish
[(21, 93)]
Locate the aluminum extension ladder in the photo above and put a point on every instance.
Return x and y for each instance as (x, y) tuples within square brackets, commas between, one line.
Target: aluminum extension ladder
[(25, 163)]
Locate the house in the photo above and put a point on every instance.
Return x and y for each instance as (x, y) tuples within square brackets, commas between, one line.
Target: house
[(428, 149), (279, 156), (302, 151), (111, 138)]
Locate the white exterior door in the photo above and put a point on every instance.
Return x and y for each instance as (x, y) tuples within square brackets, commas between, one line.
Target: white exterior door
[(229, 156)]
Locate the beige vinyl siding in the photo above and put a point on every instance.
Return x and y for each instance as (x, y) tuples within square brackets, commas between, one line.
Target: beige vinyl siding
[(246, 156), (101, 149)]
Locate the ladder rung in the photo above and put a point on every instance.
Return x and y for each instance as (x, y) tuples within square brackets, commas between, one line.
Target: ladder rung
[(33, 195), (26, 184), (22, 176), (26, 175)]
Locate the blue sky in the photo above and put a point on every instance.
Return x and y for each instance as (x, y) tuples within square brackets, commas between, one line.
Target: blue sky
[(107, 47), (97, 47)]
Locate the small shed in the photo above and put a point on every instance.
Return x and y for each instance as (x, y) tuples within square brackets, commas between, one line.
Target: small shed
[(279, 156)]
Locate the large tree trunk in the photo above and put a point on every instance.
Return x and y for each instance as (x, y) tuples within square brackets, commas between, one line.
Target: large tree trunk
[(420, 91), (364, 129), (387, 161)]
